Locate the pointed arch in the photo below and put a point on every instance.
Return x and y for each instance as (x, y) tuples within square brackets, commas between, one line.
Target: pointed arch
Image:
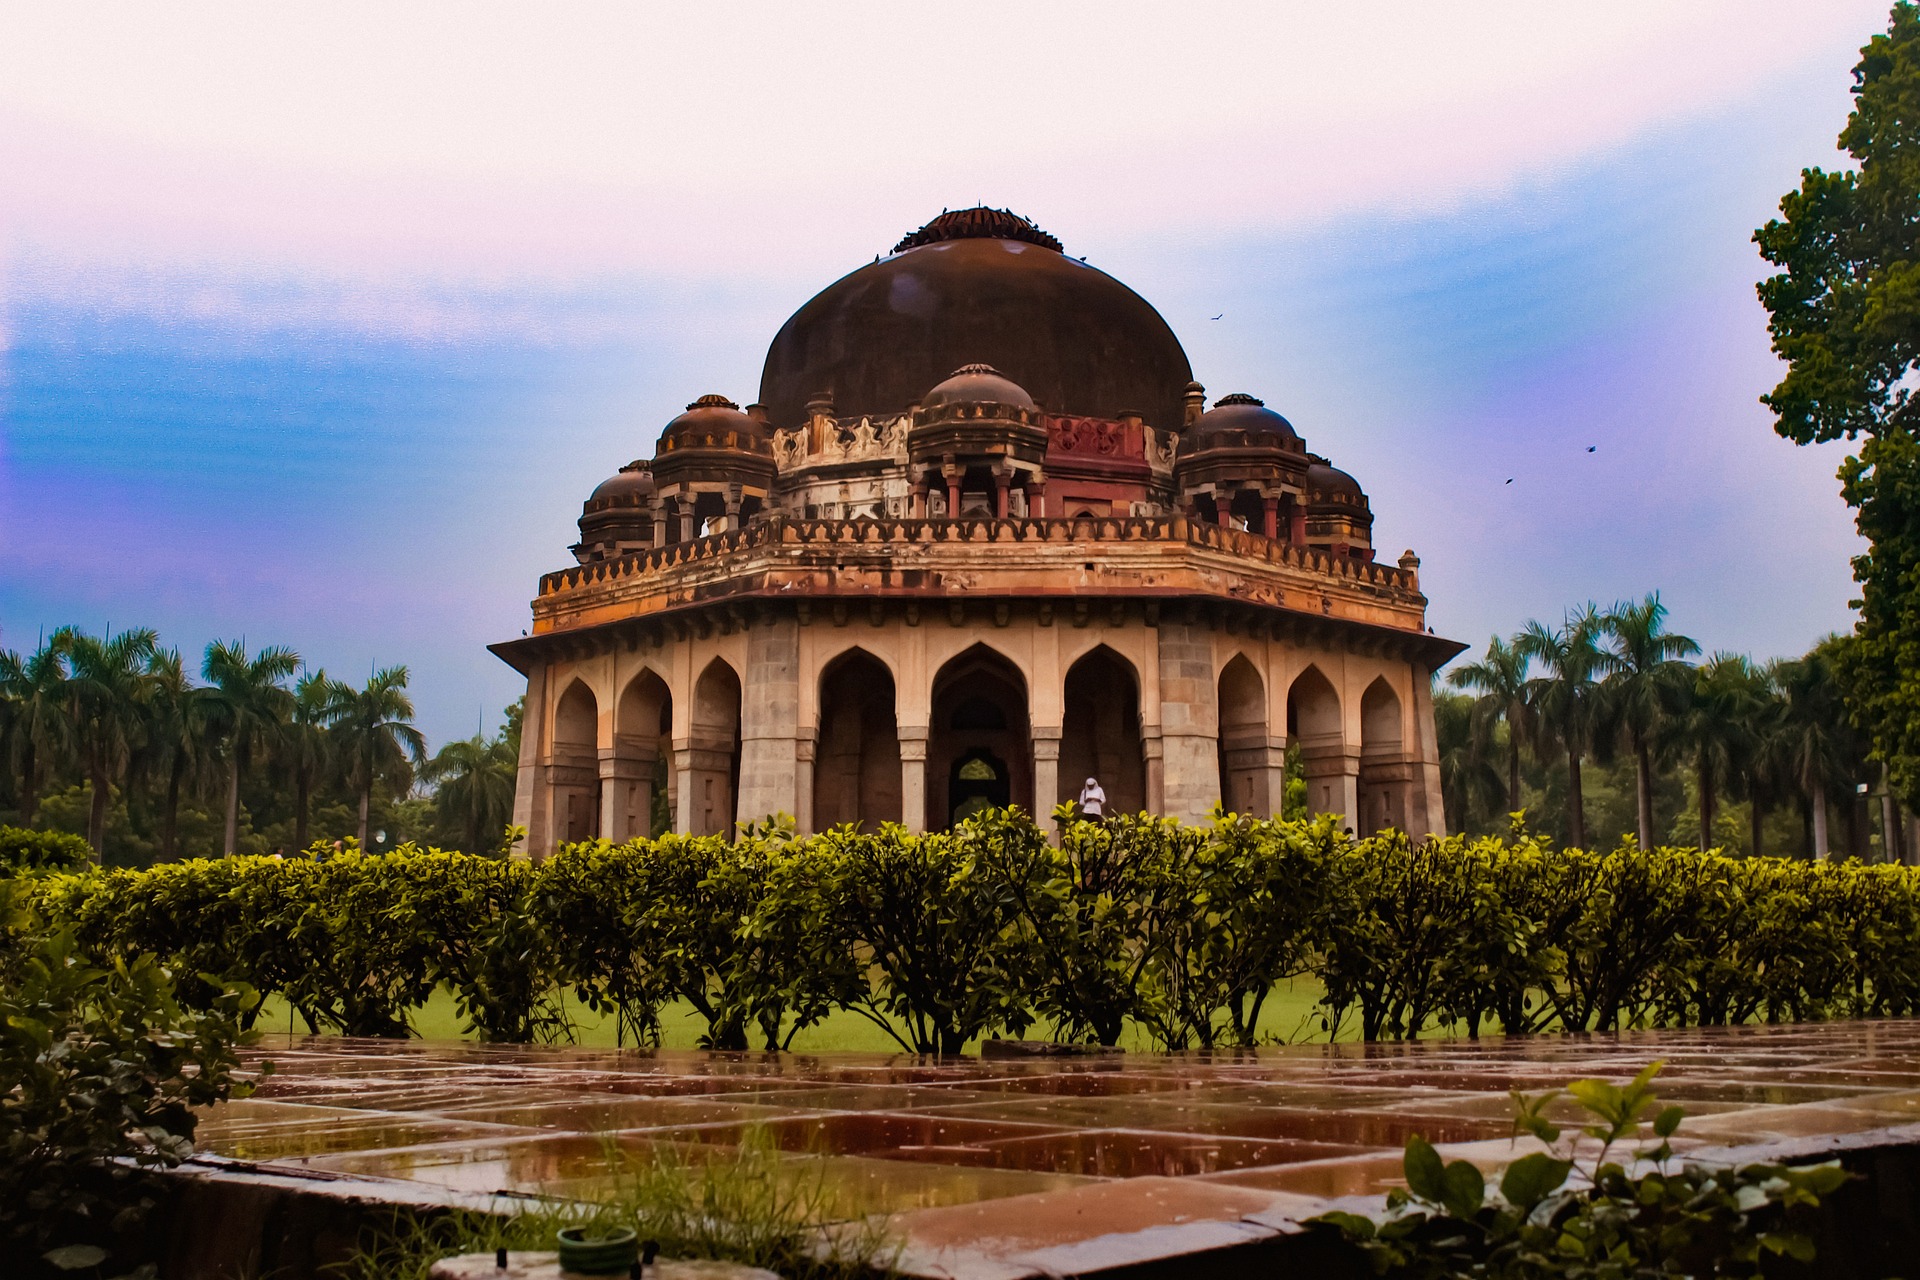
[(574, 767), (1246, 752), (1314, 722), (856, 770), (635, 783), (1386, 773), (1100, 732), (710, 774), (979, 743)]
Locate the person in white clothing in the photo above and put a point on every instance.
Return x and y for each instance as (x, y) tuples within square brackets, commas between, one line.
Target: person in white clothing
[(1093, 801)]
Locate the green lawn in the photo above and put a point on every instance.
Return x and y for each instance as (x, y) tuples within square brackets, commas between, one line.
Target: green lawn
[(1289, 1015)]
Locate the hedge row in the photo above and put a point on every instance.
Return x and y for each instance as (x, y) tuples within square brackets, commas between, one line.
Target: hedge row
[(942, 938)]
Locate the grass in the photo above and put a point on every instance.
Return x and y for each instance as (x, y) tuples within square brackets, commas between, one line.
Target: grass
[(745, 1204), (1290, 1015)]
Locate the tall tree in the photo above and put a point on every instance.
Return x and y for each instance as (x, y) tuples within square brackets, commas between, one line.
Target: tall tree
[(1844, 313), (1644, 668), (110, 679), (176, 738), (373, 731), (1564, 697), (39, 715), (473, 796), (308, 748), (248, 706), (1470, 782), (1714, 730), (1815, 741), (1500, 678)]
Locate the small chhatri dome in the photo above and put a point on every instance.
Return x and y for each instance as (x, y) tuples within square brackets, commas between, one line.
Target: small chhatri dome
[(977, 384), (714, 422), (980, 223), (632, 485), (1327, 484), (1239, 421)]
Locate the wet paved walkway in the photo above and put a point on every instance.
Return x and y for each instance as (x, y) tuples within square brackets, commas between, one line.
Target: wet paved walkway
[(1235, 1131)]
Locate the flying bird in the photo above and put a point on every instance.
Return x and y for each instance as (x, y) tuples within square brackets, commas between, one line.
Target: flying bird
[(1221, 314), (1509, 479), (1592, 447)]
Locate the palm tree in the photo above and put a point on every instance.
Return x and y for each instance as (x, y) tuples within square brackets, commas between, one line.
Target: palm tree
[(1815, 740), (1564, 700), (307, 749), (474, 789), (1470, 783), (39, 720), (177, 735), (110, 678), (1767, 776), (1643, 667), (248, 706), (1500, 679), (1715, 729), (373, 731)]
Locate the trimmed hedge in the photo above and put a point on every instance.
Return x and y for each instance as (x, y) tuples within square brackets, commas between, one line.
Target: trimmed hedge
[(25, 850), (942, 938)]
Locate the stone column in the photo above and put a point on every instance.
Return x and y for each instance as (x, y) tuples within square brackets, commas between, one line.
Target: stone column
[(1426, 811), (953, 477), (803, 749), (1189, 729), (1037, 499), (770, 720), (920, 499), (1270, 516), (1297, 522), (1046, 776), (1151, 755), (683, 819), (1000, 484), (1333, 782), (913, 777), (531, 798), (625, 782)]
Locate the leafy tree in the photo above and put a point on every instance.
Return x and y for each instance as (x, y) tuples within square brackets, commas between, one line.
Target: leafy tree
[(1644, 668), (1844, 313), (110, 679), (374, 734), (177, 738), (473, 796), (1500, 678), (248, 706), (307, 750), (1815, 741), (1565, 697), (39, 722), (1470, 783), (1715, 729)]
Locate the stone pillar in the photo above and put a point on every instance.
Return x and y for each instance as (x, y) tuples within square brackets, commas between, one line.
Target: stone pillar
[(1426, 811), (531, 799), (686, 521), (626, 782), (953, 477), (659, 510), (1333, 782), (920, 499), (1189, 729), (1001, 483), (769, 721), (803, 749), (683, 819), (1297, 522), (913, 777), (1037, 499), (1152, 757), (1046, 776), (1270, 516)]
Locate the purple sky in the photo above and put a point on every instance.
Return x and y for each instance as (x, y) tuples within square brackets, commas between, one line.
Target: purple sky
[(317, 329)]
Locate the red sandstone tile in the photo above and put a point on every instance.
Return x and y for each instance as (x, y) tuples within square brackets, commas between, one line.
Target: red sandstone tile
[(1122, 1153)]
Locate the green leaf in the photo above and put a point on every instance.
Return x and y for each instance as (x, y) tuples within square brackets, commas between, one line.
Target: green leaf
[(1425, 1177), (76, 1257), (1531, 1179), (1668, 1120), (1352, 1225), (1464, 1189)]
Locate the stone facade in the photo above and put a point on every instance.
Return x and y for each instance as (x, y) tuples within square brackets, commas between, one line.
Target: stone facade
[(975, 598)]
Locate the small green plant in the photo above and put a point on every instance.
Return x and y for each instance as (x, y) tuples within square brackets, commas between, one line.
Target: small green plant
[(101, 1073), (750, 1205), (1574, 1210), (24, 850)]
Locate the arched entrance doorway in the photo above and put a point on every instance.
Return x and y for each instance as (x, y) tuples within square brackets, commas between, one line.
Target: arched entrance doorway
[(1100, 732), (978, 780), (1386, 778), (1252, 769), (856, 771), (979, 714), (574, 770), (1313, 721), (710, 774), (635, 781)]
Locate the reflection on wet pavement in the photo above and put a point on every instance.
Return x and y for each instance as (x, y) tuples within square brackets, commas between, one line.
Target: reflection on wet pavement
[(896, 1133)]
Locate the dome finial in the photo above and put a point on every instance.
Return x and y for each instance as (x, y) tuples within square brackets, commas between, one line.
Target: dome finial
[(978, 223)]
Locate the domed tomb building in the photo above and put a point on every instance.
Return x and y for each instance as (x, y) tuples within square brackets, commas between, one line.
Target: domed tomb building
[(981, 538)]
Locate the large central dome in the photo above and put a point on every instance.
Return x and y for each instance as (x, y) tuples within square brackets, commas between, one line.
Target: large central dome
[(977, 286)]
